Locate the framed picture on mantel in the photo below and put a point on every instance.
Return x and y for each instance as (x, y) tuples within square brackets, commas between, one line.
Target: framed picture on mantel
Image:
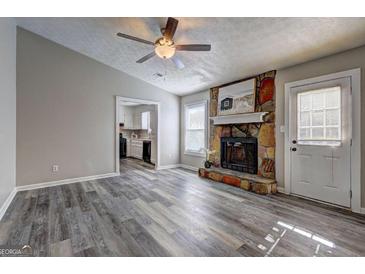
[(237, 98)]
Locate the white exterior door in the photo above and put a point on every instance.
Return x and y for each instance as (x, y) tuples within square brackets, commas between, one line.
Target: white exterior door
[(320, 141)]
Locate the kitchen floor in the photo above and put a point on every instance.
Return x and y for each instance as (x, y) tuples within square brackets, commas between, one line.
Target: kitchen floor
[(173, 212), (136, 163)]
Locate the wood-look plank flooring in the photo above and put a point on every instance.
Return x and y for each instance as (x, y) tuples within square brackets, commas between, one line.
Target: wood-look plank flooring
[(175, 213)]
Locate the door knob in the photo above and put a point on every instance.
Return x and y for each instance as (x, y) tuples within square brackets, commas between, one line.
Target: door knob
[(294, 149)]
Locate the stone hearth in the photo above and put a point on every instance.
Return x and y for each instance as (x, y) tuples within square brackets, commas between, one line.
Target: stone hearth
[(231, 127), (249, 182)]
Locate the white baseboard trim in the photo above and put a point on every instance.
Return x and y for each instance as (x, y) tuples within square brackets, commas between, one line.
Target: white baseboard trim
[(193, 168), (7, 203), (66, 181), (281, 189), (177, 166), (11, 196), (168, 166)]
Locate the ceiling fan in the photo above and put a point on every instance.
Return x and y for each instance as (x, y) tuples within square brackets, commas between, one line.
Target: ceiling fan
[(165, 47)]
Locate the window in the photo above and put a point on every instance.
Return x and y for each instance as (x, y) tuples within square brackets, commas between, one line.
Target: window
[(195, 128), (319, 117)]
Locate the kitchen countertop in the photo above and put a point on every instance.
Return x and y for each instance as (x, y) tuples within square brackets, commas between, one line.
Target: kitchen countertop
[(139, 139)]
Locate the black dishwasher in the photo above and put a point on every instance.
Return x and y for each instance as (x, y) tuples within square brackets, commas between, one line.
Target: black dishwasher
[(147, 151)]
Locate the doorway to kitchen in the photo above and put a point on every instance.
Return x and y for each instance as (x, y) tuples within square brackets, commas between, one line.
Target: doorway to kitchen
[(137, 132)]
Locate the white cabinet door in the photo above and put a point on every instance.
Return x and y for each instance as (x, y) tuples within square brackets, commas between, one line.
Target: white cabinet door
[(128, 121), (153, 122), (137, 148), (132, 150), (121, 113), (145, 120), (136, 120), (139, 120), (138, 151), (153, 150), (129, 148)]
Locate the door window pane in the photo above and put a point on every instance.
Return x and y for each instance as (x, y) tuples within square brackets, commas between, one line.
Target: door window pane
[(319, 116), (333, 117), (305, 102), (318, 101), (333, 99), (305, 119), (317, 133), (332, 133), (304, 133)]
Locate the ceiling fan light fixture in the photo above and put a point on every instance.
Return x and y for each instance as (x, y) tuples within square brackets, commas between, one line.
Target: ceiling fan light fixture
[(164, 48)]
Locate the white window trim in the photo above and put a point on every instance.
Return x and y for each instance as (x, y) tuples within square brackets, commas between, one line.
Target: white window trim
[(355, 75), (189, 105)]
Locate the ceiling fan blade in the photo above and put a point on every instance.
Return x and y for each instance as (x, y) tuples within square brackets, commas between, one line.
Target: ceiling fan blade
[(194, 47), (170, 28), (146, 57), (178, 63), (135, 38)]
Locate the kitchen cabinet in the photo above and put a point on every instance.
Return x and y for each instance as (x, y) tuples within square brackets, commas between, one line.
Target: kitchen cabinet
[(137, 123), (136, 149), (145, 120), (121, 113), (133, 119), (128, 121), (129, 148), (153, 150), (126, 116)]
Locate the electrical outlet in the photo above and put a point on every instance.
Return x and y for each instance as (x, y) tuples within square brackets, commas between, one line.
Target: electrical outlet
[(54, 168)]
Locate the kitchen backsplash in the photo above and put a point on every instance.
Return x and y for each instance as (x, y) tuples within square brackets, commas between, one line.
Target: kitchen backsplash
[(141, 133)]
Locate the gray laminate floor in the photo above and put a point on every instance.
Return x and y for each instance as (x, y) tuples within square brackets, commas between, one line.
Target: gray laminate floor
[(175, 213)]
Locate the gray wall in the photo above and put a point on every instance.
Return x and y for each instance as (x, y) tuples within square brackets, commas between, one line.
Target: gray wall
[(7, 107), (351, 59), (194, 161), (66, 112)]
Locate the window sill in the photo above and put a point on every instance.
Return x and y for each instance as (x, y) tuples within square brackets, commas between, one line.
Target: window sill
[(195, 154)]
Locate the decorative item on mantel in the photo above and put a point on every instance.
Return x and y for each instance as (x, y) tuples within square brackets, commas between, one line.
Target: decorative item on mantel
[(232, 114), (237, 98)]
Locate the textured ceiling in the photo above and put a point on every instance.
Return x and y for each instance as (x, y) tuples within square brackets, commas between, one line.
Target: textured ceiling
[(240, 46)]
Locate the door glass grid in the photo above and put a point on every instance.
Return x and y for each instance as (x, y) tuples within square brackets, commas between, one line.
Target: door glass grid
[(319, 117)]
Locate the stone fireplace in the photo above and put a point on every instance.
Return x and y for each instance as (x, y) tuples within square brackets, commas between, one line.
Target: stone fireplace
[(244, 153), (239, 153)]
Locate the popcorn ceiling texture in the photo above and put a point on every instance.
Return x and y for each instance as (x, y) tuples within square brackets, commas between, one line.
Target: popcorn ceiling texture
[(264, 132), (241, 47)]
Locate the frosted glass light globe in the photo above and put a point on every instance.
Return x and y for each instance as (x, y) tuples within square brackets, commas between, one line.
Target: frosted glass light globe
[(164, 49)]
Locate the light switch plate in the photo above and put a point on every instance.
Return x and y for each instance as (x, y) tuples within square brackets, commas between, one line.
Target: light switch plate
[(282, 129)]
